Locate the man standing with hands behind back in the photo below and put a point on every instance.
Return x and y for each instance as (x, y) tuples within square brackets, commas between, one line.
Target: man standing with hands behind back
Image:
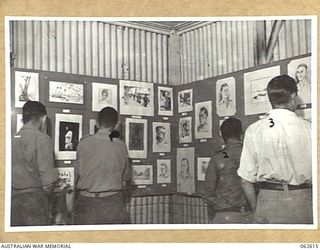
[(277, 156)]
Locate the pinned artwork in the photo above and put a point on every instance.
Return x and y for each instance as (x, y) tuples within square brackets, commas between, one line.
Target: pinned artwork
[(104, 95), (26, 87), (185, 100), (93, 127), (255, 90), (300, 70), (142, 174), (163, 171), (68, 131), (185, 170), (185, 130), (136, 137), (64, 92), (136, 98), (203, 120), (226, 96), (304, 113), (66, 176), (165, 101), (161, 137), (203, 163)]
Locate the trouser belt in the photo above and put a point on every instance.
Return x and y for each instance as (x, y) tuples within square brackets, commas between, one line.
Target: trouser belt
[(26, 190), (97, 194), (281, 186)]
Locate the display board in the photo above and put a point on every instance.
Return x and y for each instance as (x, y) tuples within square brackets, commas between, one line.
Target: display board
[(172, 121)]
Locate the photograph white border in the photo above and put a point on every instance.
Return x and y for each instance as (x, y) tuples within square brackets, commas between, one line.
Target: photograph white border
[(198, 106), (165, 112), (143, 182), (165, 148), (137, 153), (231, 81), (18, 76), (188, 108), (96, 106)]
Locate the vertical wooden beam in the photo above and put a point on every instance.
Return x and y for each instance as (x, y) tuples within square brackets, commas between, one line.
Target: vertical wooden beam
[(261, 42), (174, 58)]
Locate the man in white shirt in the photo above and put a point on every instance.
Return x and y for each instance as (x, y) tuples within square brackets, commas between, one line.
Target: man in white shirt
[(277, 157)]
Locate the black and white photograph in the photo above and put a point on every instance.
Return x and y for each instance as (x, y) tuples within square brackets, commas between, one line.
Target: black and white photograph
[(136, 98), (165, 101), (172, 93), (26, 87), (66, 92), (161, 137), (68, 131), (203, 120), (226, 96), (104, 95)]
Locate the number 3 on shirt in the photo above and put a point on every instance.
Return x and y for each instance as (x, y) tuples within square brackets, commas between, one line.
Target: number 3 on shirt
[(271, 122)]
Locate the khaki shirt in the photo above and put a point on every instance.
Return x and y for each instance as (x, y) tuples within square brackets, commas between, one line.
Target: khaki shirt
[(32, 159), (102, 164)]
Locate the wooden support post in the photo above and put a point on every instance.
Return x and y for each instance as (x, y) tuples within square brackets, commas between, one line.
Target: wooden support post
[(174, 59), (273, 39), (261, 42)]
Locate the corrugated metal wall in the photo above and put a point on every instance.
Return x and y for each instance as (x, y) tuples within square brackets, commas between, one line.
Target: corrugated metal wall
[(91, 48), (224, 47)]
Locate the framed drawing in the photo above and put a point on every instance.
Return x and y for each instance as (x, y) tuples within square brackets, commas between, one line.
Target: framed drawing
[(300, 70), (185, 100), (255, 90), (185, 130), (136, 98), (65, 92), (226, 96), (185, 170), (93, 126), (142, 174), (203, 163), (203, 120), (136, 137), (104, 95), (163, 171), (26, 87), (304, 113), (165, 95), (19, 122), (66, 176), (161, 137), (68, 131)]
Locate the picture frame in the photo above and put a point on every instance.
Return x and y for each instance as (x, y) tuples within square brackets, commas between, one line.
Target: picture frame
[(300, 70), (185, 170), (136, 98), (93, 126), (66, 176), (104, 95), (185, 130), (202, 165), (161, 137), (226, 96), (165, 101), (68, 131), (136, 137), (142, 175), (68, 93), (185, 100), (255, 90), (26, 87), (305, 114), (203, 120), (163, 171)]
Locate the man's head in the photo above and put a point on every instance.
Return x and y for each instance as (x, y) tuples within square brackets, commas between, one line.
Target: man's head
[(282, 91), (33, 111), (203, 115), (301, 72), (108, 118), (161, 133), (231, 129)]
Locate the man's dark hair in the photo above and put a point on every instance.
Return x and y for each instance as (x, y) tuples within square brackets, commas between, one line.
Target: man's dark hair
[(280, 89), (231, 128), (203, 109), (108, 117), (33, 110)]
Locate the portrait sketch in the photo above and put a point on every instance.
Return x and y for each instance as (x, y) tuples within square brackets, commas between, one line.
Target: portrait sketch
[(202, 165), (226, 96), (300, 70), (185, 130), (185, 100), (136, 137), (255, 90), (68, 131), (163, 171), (104, 95), (185, 170), (65, 92), (161, 137), (136, 98), (66, 176), (142, 174), (26, 87), (93, 126), (165, 101), (203, 120)]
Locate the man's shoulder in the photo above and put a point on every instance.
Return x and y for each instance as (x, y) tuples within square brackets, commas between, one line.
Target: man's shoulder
[(86, 138)]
